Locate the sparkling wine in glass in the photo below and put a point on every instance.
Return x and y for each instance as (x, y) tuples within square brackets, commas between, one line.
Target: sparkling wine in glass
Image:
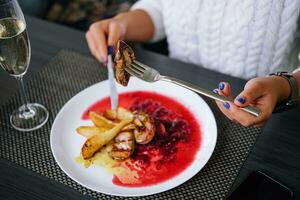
[(15, 53)]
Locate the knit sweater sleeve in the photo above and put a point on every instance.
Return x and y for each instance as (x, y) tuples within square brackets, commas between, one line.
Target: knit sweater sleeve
[(154, 9), (296, 70)]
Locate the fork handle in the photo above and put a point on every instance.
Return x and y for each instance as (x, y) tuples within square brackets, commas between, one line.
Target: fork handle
[(250, 109)]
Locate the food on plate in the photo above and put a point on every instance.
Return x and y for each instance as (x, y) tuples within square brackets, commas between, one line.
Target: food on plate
[(123, 146), (94, 143), (123, 58), (145, 128), (122, 127), (118, 115), (88, 131), (110, 114), (160, 140), (101, 121), (129, 127)]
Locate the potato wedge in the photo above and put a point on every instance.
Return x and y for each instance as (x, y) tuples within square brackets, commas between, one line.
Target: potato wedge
[(124, 114), (101, 121), (110, 114), (89, 131), (129, 127), (121, 113), (94, 143)]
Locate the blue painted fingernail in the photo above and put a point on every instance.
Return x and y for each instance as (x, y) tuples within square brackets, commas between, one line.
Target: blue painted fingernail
[(101, 59), (226, 105), (216, 91), (242, 100), (110, 50), (221, 86)]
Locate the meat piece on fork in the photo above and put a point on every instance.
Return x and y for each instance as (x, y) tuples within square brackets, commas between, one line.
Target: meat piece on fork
[(124, 58)]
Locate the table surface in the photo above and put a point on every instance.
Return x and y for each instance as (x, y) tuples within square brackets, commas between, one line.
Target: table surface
[(276, 152)]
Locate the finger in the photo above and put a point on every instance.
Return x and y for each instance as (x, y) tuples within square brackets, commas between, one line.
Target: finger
[(98, 32), (241, 116), (225, 88), (224, 110), (114, 34), (235, 121), (216, 91), (252, 91), (91, 43), (259, 125), (221, 105), (245, 118), (234, 113)]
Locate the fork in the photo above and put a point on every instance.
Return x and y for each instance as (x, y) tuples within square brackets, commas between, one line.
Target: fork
[(149, 74)]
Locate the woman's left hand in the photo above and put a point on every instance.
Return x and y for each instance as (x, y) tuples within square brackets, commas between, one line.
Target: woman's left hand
[(263, 93)]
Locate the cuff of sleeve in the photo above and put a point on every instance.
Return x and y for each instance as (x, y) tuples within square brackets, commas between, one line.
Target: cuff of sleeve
[(156, 16), (296, 70)]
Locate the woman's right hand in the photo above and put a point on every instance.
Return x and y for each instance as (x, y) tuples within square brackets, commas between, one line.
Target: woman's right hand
[(102, 34), (135, 26)]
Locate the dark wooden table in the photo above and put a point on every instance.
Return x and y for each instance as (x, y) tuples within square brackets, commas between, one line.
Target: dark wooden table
[(276, 152)]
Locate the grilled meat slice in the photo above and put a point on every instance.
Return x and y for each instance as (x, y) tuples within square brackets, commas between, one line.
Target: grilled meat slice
[(123, 58), (123, 146), (145, 128)]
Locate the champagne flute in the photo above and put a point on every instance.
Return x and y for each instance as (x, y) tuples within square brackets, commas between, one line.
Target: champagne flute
[(15, 55)]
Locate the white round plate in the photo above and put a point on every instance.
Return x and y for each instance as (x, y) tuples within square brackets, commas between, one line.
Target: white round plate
[(66, 144)]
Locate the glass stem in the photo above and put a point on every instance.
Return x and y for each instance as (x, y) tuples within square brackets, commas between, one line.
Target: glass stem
[(23, 92)]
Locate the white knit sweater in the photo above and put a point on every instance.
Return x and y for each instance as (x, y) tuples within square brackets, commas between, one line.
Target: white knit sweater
[(243, 38)]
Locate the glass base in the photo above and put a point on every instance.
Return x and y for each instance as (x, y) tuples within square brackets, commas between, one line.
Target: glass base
[(30, 117)]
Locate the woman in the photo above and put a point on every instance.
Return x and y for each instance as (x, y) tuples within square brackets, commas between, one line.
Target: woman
[(245, 39)]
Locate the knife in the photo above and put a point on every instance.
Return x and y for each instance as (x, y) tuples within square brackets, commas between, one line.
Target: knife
[(111, 80)]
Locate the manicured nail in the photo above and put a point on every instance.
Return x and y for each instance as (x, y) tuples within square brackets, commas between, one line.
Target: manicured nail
[(216, 91), (242, 100), (226, 105), (110, 50), (101, 59), (221, 86)]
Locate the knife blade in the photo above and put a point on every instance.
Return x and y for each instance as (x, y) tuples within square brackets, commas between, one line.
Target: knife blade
[(111, 80)]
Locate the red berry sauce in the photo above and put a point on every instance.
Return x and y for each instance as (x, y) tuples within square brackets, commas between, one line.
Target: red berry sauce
[(176, 142)]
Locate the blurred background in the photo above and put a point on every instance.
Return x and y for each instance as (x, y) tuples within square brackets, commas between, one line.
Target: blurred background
[(80, 14)]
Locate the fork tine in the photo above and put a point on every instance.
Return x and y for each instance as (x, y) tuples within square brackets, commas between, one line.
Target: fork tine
[(136, 67), (141, 65), (136, 70), (133, 73)]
